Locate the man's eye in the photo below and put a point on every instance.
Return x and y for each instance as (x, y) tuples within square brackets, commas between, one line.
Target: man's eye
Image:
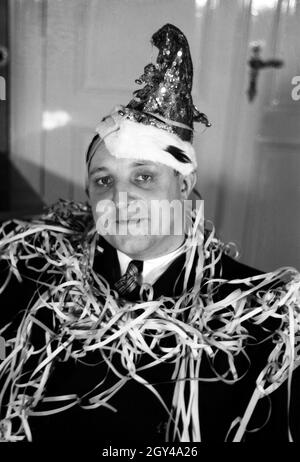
[(104, 181), (144, 178)]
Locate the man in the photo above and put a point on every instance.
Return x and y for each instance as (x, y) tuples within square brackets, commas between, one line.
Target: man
[(143, 329)]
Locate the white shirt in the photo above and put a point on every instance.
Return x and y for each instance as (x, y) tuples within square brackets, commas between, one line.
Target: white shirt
[(153, 268)]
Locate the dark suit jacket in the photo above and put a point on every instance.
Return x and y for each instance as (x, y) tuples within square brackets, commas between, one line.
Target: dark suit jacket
[(140, 416)]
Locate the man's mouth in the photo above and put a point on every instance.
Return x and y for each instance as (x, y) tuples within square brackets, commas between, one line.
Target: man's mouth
[(131, 220)]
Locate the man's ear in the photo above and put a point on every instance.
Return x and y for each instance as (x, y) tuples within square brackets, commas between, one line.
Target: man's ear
[(187, 184)]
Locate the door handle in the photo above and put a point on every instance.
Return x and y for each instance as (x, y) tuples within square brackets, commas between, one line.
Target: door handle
[(256, 64)]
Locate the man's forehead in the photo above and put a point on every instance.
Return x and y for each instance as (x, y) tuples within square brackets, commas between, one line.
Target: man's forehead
[(104, 159)]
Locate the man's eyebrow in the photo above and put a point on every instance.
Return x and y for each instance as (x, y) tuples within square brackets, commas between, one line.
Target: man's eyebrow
[(140, 163), (97, 169)]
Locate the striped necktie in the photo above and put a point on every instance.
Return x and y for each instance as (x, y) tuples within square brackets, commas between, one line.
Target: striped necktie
[(128, 285)]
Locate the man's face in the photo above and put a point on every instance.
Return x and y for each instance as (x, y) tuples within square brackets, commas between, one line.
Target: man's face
[(110, 180)]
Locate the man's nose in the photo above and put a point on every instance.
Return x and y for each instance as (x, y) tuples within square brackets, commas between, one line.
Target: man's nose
[(123, 191)]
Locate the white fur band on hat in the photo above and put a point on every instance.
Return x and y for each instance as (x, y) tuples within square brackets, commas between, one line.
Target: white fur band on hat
[(128, 139)]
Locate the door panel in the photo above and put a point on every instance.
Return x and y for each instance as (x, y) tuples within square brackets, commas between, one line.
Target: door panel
[(27, 71), (274, 219)]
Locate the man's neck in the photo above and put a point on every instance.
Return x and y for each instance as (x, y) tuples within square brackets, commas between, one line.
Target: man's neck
[(159, 251), (152, 268)]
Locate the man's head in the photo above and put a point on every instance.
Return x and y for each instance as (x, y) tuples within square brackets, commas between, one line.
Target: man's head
[(142, 232), (142, 161)]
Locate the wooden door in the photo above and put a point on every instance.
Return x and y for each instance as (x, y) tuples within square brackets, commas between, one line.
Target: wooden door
[(260, 207)]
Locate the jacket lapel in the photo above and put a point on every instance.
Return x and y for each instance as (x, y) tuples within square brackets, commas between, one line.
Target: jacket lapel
[(171, 281), (107, 263)]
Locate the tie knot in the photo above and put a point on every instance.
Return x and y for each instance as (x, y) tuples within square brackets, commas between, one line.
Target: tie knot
[(135, 266), (129, 284)]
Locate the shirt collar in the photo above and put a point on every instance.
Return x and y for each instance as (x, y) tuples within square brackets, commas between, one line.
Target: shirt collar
[(153, 267)]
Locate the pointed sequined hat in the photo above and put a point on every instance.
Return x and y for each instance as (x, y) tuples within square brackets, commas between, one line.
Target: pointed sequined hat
[(157, 124)]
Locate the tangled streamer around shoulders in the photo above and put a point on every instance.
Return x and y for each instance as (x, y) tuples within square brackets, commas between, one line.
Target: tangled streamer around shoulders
[(76, 313)]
